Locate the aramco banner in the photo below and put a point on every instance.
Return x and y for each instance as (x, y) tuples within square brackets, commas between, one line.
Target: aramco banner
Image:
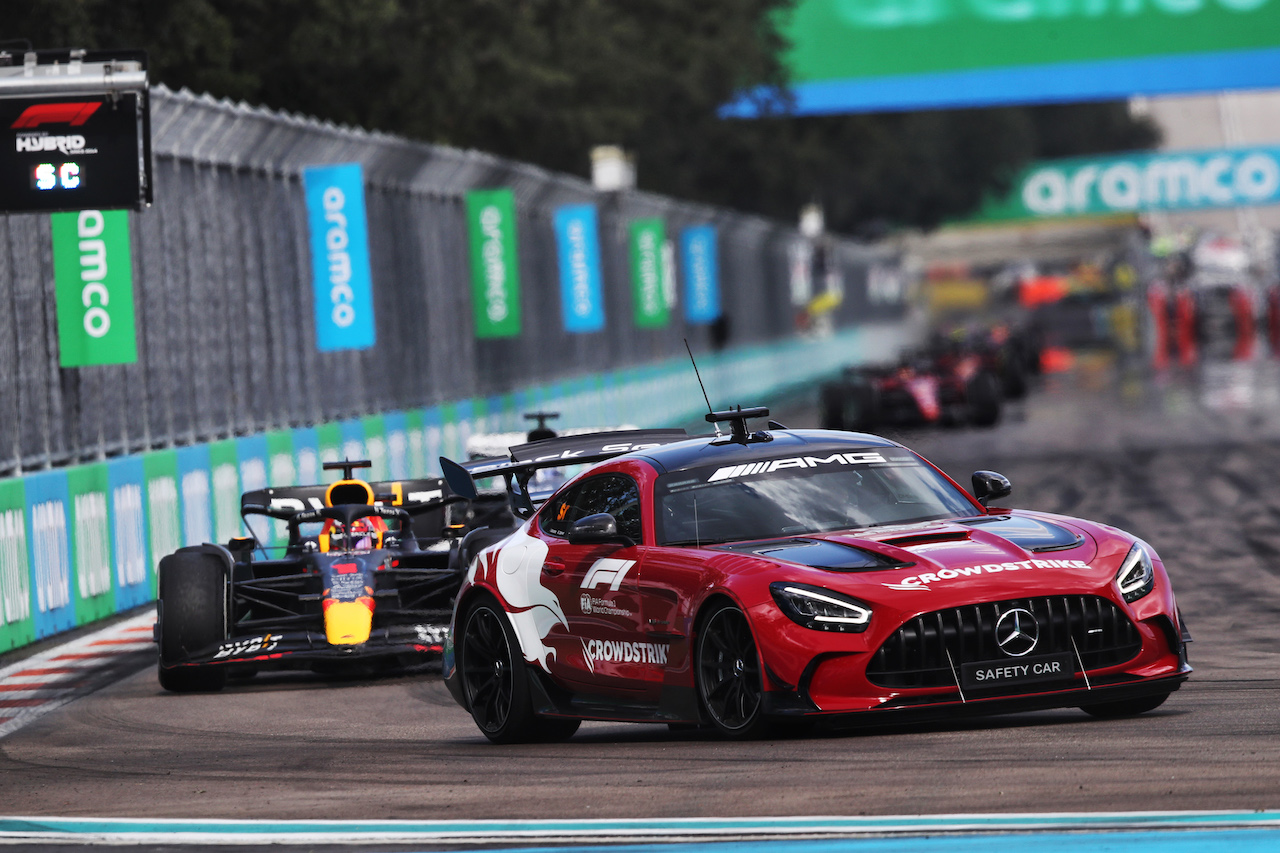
[(701, 274), (93, 279), (1134, 183), (578, 242), (868, 55), (340, 257), (648, 273), (495, 265)]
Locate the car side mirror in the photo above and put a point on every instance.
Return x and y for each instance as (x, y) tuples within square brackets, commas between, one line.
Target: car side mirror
[(990, 486), (595, 529)]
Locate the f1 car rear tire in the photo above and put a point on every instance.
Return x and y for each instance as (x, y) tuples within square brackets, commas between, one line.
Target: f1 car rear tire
[(728, 674), (983, 400), (192, 612), (850, 405), (1125, 707), (495, 684)]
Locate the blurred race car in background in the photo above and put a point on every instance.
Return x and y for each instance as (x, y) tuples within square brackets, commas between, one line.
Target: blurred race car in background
[(366, 582), (956, 380), (740, 580)]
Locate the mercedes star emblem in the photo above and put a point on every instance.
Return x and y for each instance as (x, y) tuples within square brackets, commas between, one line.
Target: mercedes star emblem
[(1017, 632)]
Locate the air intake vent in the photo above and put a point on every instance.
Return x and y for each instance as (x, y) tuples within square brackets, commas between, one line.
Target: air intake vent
[(916, 654), (927, 538)]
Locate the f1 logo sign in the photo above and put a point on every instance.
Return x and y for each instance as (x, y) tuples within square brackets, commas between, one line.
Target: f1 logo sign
[(74, 114), (608, 571)]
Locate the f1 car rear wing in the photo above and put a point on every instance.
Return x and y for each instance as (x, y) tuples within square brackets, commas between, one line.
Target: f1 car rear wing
[(409, 495), (526, 459)]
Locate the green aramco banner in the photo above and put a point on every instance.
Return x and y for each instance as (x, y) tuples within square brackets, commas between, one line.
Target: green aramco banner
[(93, 274), (495, 264), (648, 273)]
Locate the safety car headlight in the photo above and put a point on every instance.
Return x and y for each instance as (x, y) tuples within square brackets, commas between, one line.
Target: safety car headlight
[(1136, 576), (821, 609)]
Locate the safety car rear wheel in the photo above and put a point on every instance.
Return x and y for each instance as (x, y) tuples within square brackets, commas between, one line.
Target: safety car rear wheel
[(729, 682), (1125, 707), (192, 611), (495, 684)]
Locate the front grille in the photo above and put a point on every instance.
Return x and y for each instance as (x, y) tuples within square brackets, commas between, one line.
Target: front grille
[(916, 654)]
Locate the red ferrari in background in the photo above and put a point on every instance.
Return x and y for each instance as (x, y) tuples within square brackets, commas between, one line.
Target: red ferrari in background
[(747, 579)]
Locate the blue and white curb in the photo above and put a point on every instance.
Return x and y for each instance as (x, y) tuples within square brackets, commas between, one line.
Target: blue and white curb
[(1258, 830)]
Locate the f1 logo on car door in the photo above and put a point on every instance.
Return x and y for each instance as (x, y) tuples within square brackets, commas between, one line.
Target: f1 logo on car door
[(596, 584)]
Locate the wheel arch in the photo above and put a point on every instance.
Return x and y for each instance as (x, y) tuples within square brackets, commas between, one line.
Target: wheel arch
[(478, 592)]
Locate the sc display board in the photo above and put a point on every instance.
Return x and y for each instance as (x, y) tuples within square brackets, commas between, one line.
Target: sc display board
[(75, 131), (880, 55)]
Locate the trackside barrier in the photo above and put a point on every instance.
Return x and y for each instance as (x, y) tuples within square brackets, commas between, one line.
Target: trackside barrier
[(81, 543)]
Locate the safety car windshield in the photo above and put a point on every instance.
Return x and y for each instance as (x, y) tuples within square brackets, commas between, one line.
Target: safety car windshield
[(803, 494)]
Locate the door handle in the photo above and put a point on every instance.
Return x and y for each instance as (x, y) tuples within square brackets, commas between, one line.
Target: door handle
[(551, 568)]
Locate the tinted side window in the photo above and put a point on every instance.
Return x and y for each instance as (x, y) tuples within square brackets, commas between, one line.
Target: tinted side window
[(615, 494), (559, 515)]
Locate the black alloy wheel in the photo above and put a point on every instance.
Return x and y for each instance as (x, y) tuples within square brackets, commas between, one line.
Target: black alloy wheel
[(496, 685), (488, 670), (728, 674)]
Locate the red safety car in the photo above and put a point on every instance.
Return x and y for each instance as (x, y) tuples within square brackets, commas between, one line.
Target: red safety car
[(743, 579)]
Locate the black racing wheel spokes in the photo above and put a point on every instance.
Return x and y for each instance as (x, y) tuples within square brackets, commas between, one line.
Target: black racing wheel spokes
[(729, 670), (488, 668)]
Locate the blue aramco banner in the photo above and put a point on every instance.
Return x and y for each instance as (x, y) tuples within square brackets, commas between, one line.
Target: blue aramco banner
[(581, 300), (339, 257), (701, 274)]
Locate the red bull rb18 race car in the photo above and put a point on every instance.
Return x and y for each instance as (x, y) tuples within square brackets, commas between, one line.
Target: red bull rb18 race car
[(743, 580), (357, 588)]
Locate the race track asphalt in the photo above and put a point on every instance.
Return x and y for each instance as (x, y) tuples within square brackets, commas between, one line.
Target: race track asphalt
[(1192, 468)]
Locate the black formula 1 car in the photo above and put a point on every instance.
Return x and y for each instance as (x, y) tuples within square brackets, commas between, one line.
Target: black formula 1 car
[(739, 580), (358, 588)]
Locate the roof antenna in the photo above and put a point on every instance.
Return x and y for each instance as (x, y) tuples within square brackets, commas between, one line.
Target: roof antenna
[(715, 425)]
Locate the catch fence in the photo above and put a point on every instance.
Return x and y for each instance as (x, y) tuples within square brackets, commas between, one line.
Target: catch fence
[(224, 301)]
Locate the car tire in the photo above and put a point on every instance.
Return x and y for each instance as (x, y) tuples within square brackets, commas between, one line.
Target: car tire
[(554, 729), (982, 398), (192, 611), (1124, 707), (1013, 380), (728, 673), (850, 405), (832, 399), (494, 683)]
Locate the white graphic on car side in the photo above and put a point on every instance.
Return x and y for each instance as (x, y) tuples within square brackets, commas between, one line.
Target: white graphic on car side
[(514, 566)]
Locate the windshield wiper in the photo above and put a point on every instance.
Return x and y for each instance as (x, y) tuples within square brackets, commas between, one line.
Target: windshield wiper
[(681, 542)]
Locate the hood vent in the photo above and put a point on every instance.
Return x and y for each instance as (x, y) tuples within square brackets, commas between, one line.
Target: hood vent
[(927, 538), (1033, 534), (819, 554)]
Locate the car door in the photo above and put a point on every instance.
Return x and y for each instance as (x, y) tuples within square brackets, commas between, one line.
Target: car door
[(603, 649)]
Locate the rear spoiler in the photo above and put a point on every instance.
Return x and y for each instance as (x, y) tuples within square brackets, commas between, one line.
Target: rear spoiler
[(526, 459), (410, 495)]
